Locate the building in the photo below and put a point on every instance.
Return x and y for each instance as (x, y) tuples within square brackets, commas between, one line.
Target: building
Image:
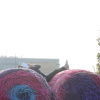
[(47, 65)]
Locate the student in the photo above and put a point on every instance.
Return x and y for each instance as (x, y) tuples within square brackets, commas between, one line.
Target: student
[(49, 76), (52, 74)]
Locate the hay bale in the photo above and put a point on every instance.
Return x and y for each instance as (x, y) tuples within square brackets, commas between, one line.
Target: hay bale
[(76, 85), (23, 84)]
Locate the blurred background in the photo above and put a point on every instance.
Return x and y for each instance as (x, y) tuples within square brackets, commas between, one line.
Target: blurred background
[(51, 29)]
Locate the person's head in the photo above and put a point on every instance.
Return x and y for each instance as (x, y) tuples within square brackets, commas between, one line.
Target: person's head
[(34, 67)]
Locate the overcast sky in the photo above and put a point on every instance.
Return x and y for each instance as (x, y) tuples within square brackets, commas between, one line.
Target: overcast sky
[(62, 29)]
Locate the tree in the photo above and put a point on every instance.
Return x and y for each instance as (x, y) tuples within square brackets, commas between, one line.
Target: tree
[(98, 57)]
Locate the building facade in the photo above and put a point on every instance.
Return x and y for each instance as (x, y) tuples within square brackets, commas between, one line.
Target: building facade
[(47, 65)]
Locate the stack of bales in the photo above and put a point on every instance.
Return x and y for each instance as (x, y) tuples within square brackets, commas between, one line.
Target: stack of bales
[(26, 84)]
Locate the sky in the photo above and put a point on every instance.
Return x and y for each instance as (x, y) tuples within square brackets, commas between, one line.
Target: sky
[(51, 29)]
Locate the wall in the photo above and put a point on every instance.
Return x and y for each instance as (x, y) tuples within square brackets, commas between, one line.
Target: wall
[(47, 65)]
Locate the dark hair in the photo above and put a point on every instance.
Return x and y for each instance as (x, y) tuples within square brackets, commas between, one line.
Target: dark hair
[(35, 67)]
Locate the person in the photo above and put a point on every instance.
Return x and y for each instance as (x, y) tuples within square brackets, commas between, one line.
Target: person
[(50, 75)]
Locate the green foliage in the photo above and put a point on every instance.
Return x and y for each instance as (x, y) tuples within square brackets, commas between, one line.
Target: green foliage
[(98, 41), (98, 68), (98, 57)]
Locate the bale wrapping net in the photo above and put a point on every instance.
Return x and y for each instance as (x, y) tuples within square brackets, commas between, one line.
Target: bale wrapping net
[(22, 84), (76, 85)]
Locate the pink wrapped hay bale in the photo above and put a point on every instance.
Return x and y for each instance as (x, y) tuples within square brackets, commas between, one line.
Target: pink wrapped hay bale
[(76, 85), (22, 84)]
